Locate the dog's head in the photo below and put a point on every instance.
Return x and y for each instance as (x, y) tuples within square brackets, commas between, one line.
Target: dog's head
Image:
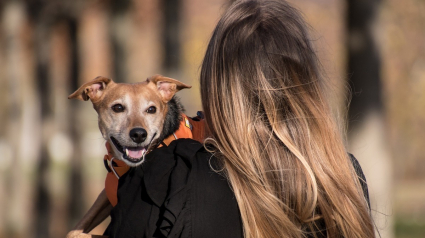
[(130, 116)]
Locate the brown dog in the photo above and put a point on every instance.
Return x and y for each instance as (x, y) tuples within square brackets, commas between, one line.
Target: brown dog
[(134, 119)]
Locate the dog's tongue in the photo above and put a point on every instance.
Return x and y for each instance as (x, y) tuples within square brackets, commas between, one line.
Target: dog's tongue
[(136, 153)]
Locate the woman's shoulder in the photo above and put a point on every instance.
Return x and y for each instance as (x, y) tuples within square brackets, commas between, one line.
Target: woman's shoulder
[(361, 177), (205, 170)]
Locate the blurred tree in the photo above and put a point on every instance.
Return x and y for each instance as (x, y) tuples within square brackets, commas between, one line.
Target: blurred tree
[(20, 106), (118, 10), (76, 202), (39, 16), (44, 14), (171, 36), (364, 64), (367, 125)]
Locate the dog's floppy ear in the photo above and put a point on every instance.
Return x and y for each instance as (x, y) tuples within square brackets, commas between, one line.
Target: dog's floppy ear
[(91, 90), (167, 87)]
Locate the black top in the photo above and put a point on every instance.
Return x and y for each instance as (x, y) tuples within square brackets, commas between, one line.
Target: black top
[(176, 193)]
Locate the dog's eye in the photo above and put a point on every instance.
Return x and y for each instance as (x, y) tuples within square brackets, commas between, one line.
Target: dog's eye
[(151, 110), (118, 108)]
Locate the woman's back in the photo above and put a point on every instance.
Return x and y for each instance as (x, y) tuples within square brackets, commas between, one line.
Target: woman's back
[(262, 93)]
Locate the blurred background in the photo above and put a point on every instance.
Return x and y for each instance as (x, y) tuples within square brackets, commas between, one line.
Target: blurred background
[(51, 152)]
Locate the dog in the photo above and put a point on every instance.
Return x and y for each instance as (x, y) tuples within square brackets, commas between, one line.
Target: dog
[(134, 119)]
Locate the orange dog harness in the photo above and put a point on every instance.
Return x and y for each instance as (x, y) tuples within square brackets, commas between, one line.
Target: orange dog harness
[(189, 128)]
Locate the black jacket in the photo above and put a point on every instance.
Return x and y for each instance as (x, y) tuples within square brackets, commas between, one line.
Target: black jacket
[(175, 193)]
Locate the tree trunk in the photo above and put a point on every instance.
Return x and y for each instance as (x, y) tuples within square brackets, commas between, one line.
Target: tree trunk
[(367, 125), (171, 37)]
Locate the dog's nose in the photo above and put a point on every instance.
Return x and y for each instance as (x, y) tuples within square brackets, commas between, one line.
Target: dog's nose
[(138, 135)]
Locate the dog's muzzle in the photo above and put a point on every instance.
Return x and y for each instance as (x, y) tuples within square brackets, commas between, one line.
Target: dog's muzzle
[(133, 154)]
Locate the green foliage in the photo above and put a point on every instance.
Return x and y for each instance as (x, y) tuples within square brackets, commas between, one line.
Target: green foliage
[(409, 228)]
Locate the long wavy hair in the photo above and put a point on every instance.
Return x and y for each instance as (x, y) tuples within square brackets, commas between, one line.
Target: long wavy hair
[(271, 126)]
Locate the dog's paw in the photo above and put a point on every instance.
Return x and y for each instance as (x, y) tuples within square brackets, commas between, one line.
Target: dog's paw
[(80, 234), (76, 234)]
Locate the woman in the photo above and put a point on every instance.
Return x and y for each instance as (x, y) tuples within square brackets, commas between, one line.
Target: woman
[(274, 165)]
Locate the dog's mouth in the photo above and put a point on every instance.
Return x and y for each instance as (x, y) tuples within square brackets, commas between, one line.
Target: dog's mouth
[(132, 154)]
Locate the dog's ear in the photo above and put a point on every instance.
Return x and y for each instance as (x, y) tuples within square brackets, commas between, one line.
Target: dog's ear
[(92, 90), (167, 87)]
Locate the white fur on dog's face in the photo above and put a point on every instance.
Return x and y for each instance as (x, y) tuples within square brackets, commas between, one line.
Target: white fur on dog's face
[(115, 127)]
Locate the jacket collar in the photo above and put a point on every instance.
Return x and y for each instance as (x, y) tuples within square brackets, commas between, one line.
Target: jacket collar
[(167, 169)]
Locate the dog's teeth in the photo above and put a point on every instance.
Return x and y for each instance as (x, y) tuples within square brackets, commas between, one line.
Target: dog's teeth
[(126, 152)]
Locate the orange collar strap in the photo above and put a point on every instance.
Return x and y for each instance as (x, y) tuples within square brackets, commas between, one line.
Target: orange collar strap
[(184, 131)]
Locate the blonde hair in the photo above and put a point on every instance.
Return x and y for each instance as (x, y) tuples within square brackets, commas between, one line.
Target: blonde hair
[(272, 128)]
